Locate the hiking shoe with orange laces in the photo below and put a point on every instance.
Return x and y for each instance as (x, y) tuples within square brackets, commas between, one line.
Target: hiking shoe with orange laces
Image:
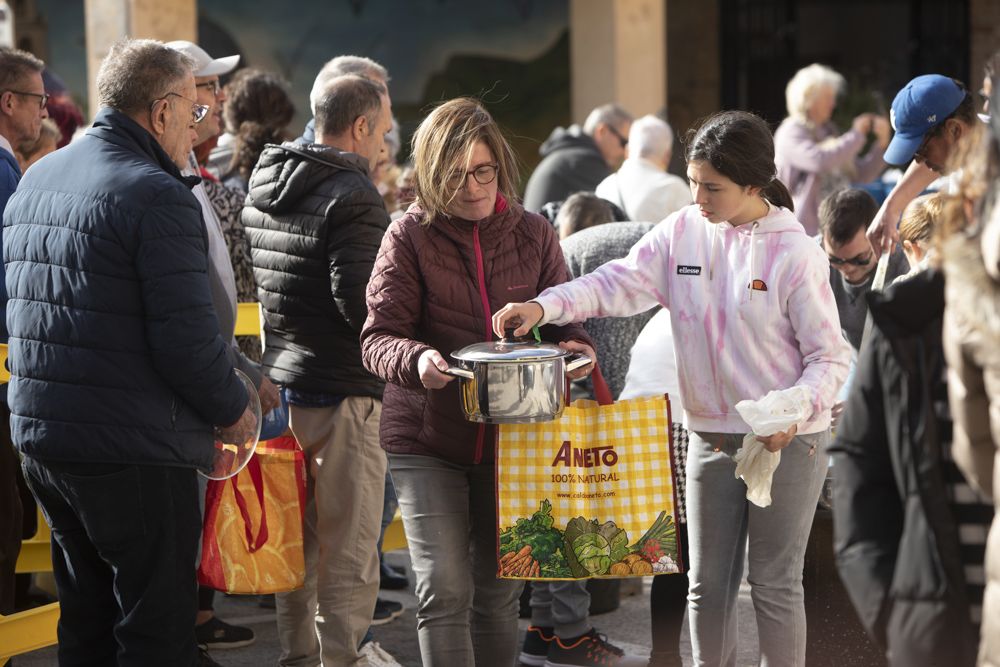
[(590, 650)]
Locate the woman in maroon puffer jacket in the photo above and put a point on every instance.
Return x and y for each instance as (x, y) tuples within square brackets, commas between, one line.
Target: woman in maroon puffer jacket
[(464, 249)]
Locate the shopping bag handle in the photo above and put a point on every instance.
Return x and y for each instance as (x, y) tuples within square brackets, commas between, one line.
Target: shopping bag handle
[(257, 477), (601, 390)]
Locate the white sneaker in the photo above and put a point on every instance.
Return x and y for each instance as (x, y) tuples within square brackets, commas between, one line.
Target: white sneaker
[(377, 656)]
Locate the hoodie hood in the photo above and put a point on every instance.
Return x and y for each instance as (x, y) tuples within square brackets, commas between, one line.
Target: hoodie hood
[(778, 220), (563, 137), (285, 173)]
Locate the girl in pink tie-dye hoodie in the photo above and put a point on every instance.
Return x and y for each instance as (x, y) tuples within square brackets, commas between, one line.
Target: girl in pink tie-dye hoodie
[(752, 311)]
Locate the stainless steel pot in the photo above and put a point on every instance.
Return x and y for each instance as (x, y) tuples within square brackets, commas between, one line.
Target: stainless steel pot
[(514, 382)]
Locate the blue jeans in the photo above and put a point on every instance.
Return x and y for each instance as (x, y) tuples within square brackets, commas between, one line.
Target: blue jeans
[(124, 539), (720, 521)]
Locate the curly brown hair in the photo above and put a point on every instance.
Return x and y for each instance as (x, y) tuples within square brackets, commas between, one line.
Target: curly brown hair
[(258, 109)]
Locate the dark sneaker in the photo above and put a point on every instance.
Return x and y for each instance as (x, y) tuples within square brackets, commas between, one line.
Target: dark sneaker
[(205, 660), (217, 634), (391, 579), (590, 650), (536, 645), (385, 611)]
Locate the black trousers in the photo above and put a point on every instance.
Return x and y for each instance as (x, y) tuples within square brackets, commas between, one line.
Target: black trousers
[(668, 600), (124, 541), (10, 513)]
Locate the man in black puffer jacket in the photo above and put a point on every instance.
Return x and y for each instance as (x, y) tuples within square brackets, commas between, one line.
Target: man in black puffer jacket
[(577, 159), (315, 222), (118, 369)]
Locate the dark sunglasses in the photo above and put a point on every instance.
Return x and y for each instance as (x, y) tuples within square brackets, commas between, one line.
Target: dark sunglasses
[(862, 260), (622, 140)]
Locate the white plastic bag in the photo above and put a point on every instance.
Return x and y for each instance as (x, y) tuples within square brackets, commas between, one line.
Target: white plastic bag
[(774, 413)]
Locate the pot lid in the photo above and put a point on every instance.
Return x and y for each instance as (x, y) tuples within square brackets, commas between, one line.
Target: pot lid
[(505, 350)]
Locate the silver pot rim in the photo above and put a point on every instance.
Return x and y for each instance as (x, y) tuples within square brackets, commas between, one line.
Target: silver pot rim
[(509, 352)]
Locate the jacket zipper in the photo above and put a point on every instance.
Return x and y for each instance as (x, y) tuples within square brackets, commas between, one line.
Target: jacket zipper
[(481, 276)]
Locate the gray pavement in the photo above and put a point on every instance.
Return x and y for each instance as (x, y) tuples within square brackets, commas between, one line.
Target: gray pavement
[(628, 627)]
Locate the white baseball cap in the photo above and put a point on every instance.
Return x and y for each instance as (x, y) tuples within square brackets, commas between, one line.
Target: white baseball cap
[(204, 64)]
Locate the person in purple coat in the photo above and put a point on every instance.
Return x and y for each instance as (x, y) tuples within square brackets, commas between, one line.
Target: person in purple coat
[(813, 158)]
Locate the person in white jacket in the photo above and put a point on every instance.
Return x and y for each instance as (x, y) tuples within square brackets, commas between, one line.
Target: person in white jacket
[(642, 187), (751, 311)]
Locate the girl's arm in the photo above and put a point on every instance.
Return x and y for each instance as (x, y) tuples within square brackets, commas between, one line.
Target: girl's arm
[(620, 288), (812, 311)]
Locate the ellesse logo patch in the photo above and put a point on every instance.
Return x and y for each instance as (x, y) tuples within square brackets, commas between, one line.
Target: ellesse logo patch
[(758, 285), (684, 270)]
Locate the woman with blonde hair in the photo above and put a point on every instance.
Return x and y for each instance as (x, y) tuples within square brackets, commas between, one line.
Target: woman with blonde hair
[(813, 158), (464, 248)]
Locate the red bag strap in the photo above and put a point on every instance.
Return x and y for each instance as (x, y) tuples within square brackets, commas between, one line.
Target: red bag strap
[(601, 390), (257, 477), (602, 393)]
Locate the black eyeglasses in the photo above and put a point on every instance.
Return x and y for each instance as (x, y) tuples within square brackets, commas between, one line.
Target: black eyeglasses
[(622, 140), (214, 85), (484, 175), (42, 98), (861, 260), (198, 111), (930, 134)]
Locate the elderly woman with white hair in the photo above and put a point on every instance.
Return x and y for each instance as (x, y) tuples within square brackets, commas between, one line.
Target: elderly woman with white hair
[(813, 159), (642, 187)]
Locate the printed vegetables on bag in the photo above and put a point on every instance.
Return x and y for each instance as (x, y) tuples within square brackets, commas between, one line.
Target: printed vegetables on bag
[(545, 544), (592, 547)]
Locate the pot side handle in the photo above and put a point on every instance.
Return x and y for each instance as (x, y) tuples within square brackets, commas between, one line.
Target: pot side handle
[(460, 373), (575, 361)]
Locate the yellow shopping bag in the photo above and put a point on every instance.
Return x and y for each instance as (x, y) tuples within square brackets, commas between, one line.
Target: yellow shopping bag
[(590, 494)]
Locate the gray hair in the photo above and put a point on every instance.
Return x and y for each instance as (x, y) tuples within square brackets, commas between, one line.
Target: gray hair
[(137, 71), (652, 137), (609, 114), (345, 99), (802, 89), (340, 66), (16, 65)]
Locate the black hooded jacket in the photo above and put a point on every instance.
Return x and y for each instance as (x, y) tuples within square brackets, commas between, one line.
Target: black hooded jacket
[(315, 222), (571, 162), (895, 537)]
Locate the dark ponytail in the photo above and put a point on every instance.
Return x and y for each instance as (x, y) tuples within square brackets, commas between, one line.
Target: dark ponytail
[(739, 146)]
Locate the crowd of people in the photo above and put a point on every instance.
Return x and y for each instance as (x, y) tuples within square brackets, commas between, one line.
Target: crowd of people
[(127, 249)]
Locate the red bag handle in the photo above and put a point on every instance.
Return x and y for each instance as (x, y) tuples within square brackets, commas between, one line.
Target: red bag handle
[(601, 390), (602, 393), (257, 477)]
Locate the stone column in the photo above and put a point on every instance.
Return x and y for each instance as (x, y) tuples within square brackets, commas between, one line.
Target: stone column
[(107, 21), (618, 54)]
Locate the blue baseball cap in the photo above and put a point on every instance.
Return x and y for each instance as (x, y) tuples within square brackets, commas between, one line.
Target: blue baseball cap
[(922, 103)]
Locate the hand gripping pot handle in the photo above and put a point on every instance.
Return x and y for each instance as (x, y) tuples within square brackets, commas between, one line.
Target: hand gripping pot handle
[(459, 373), (575, 361)]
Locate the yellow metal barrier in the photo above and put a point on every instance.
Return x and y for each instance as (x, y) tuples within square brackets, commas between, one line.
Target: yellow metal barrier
[(28, 630), (36, 551)]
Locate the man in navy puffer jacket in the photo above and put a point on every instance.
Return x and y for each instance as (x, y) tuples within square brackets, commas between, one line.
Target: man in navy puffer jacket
[(118, 370), (22, 108)]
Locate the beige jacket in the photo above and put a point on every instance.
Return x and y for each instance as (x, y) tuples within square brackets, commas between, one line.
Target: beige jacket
[(972, 346)]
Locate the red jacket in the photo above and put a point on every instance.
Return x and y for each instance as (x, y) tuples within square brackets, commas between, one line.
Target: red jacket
[(427, 290)]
